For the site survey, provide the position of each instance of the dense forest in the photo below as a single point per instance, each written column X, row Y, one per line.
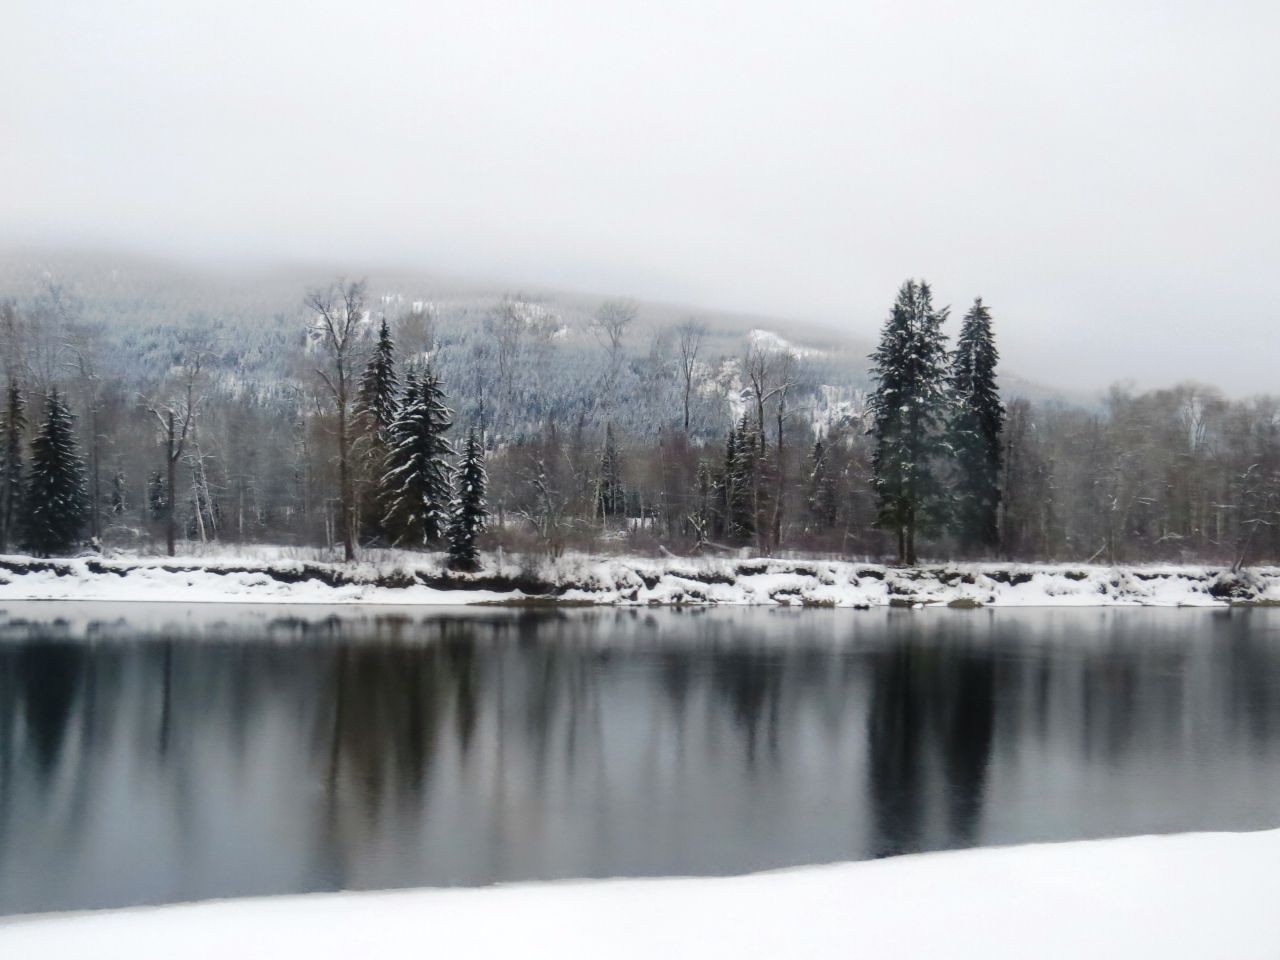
column 352, row 420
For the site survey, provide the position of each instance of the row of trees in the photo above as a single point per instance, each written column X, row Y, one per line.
column 46, row 509
column 391, row 444
column 352, row 447
column 937, row 419
column 394, row 458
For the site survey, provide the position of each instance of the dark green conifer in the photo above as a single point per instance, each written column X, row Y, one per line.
column 610, row 494
column 416, row 483
column 909, row 408
column 13, row 429
column 977, row 421
column 377, row 397
column 379, row 385
column 469, row 510
column 744, row 469
column 56, row 503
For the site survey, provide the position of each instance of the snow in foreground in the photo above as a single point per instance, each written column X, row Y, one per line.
column 1194, row 895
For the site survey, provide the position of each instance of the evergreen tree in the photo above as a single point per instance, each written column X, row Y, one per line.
column 379, row 385
column 976, row 424
column 909, row 411
column 56, row 506
column 13, row 428
column 469, row 510
column 374, row 412
column 416, row 483
column 822, row 489
column 610, row 495
column 744, row 492
column 727, row 491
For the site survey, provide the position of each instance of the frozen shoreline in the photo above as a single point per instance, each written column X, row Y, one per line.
column 1189, row 895
column 415, row 578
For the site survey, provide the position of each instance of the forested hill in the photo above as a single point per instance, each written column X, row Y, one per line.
column 550, row 362
column 146, row 404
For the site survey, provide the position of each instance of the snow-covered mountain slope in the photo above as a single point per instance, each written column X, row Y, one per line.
column 256, row 320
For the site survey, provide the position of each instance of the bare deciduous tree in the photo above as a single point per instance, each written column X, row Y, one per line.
column 506, row 323
column 689, row 342
column 758, row 368
column 609, row 326
column 546, row 515
column 655, row 373
column 337, row 318
column 784, row 380
column 176, row 417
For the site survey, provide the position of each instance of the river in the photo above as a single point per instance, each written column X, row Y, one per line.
column 152, row 753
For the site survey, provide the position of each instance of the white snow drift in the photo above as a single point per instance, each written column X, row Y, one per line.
column 1193, row 896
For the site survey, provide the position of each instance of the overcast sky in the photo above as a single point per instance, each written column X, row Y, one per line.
column 1105, row 174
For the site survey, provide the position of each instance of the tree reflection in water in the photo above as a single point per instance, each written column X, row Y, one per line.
column 172, row 754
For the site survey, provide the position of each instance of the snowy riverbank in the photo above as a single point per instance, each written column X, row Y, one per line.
column 1193, row 895
column 413, row 578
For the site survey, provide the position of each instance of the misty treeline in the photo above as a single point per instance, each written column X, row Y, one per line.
column 378, row 425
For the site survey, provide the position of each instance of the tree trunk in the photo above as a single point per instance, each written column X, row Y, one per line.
column 170, row 466
column 911, row 537
column 347, row 509
column 781, row 485
column 95, row 522
column 198, row 501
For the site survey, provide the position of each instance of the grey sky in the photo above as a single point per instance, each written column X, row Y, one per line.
column 1104, row 174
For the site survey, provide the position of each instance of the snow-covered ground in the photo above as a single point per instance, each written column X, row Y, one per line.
column 844, row 584
column 1193, row 895
column 269, row 575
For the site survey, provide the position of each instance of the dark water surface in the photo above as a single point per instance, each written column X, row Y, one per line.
column 153, row 753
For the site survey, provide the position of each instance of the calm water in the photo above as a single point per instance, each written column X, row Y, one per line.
column 150, row 753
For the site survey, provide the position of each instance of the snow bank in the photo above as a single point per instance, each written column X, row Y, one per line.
column 1194, row 895
column 244, row 580
column 838, row 583
column 401, row 577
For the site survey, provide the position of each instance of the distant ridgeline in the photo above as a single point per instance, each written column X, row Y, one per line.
column 203, row 407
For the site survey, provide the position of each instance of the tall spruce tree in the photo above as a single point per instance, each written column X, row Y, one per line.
column 470, row 510
column 13, row 428
column 374, row 412
column 379, row 385
column 977, row 421
column 909, row 408
column 56, row 503
column 416, row 483
column 744, row 469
